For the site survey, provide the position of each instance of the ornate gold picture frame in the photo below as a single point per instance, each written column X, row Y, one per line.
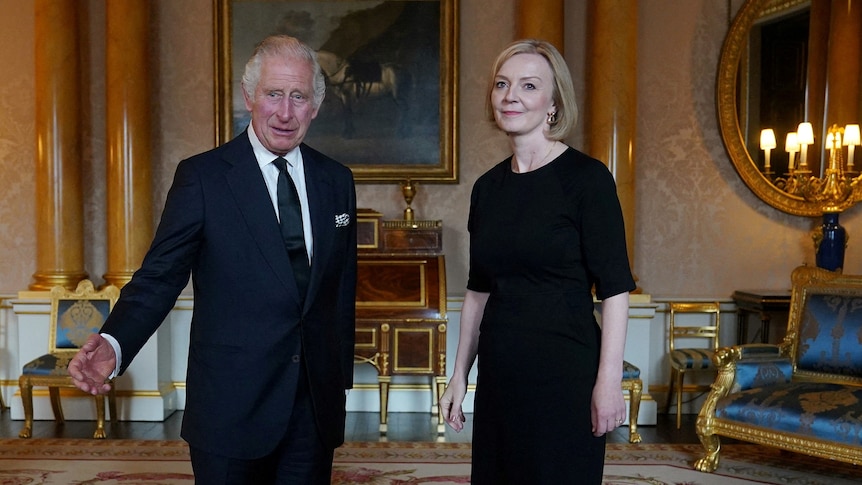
column 390, row 111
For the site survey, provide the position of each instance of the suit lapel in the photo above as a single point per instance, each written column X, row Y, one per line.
column 318, row 184
column 249, row 191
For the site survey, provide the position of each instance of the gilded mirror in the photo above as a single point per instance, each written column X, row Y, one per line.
column 774, row 71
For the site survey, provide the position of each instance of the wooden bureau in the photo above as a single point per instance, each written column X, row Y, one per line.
column 401, row 304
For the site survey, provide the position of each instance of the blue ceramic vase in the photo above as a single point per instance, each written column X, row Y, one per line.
column 830, row 250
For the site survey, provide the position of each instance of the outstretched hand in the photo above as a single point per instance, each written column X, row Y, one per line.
column 92, row 365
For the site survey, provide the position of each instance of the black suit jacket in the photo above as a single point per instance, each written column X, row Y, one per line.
column 249, row 329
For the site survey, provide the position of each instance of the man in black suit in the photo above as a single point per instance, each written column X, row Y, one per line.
column 271, row 345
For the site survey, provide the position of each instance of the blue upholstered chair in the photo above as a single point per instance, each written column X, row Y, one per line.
column 74, row 316
column 634, row 385
column 804, row 395
column 683, row 356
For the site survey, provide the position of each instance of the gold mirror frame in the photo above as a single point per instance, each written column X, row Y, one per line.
column 734, row 46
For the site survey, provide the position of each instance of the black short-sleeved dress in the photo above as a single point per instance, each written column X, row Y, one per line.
column 539, row 241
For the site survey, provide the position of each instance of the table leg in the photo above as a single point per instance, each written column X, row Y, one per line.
column 384, row 402
column 765, row 319
column 441, row 388
column 741, row 326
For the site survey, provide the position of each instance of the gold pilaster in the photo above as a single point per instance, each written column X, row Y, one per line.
column 843, row 78
column 541, row 19
column 129, row 192
column 59, row 204
column 611, row 93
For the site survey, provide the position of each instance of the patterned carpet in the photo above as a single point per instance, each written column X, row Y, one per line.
column 43, row 461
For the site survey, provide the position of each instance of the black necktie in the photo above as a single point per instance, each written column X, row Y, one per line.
column 290, row 220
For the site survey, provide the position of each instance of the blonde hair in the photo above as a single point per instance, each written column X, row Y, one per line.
column 564, row 90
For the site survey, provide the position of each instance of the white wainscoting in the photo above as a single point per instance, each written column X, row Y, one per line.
column 154, row 385
column 152, row 388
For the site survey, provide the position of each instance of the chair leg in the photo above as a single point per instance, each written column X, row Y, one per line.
column 27, row 401
column 100, row 418
column 670, row 391
column 712, row 447
column 634, row 409
column 679, row 382
column 112, row 404
column 56, row 406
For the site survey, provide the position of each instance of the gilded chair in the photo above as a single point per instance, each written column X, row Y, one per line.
column 74, row 316
column 803, row 395
column 686, row 357
column 634, row 385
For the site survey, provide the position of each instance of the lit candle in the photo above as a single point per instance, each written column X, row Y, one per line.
column 851, row 139
column 767, row 143
column 791, row 145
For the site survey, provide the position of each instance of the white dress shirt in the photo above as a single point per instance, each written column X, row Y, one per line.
column 296, row 170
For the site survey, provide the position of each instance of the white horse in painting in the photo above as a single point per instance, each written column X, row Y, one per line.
column 352, row 83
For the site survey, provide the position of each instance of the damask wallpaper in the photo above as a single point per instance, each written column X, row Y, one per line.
column 698, row 230
column 17, row 148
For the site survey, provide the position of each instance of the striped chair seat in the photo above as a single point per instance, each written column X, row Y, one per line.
column 692, row 359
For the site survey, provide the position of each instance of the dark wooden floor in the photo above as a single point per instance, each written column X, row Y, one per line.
column 410, row 427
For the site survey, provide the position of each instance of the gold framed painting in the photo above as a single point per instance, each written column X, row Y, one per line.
column 391, row 69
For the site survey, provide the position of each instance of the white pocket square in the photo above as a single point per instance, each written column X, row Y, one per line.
column 342, row 220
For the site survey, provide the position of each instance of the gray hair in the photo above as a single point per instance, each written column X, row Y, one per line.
column 286, row 47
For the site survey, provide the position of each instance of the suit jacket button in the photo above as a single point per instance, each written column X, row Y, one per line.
column 295, row 359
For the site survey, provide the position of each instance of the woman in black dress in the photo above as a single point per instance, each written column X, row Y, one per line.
column 545, row 229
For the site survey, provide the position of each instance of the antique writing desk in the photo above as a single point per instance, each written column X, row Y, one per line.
column 401, row 303
column 761, row 302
